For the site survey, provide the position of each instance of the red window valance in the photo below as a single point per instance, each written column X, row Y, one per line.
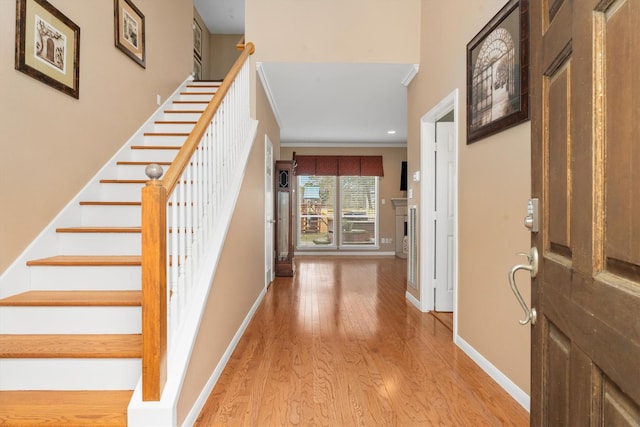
column 339, row 165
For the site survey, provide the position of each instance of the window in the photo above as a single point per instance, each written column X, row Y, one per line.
column 357, row 222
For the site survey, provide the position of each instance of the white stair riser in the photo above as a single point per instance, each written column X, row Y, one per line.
column 69, row 374
column 151, row 155
column 164, row 141
column 120, row 278
column 173, row 127
column 201, row 95
column 200, row 88
column 70, row 320
column 181, row 116
column 118, row 216
column 121, row 192
column 200, row 106
column 99, row 243
column 133, row 171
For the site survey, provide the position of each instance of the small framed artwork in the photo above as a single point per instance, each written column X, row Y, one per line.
column 129, row 30
column 48, row 46
column 197, row 68
column 197, row 39
column 498, row 73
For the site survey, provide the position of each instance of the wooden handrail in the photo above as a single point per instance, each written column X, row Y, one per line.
column 240, row 45
column 191, row 144
column 155, row 195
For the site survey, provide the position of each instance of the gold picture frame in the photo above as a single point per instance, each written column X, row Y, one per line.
column 48, row 46
column 129, row 30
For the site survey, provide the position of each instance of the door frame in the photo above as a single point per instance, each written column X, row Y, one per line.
column 427, row 138
column 269, row 237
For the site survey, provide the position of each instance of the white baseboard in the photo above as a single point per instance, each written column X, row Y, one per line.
column 503, row 381
column 413, row 300
column 215, row 376
column 342, row 253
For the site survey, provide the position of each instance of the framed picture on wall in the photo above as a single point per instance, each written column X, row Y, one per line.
column 129, row 30
column 197, row 39
column 498, row 73
column 197, row 68
column 48, row 46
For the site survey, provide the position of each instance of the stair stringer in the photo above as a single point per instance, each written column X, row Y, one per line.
column 16, row 279
column 164, row 412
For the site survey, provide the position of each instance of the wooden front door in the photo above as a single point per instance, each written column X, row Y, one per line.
column 585, row 106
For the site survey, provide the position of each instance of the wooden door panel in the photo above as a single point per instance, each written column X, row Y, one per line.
column 557, row 382
column 617, row 408
column 586, row 174
column 622, row 192
column 558, row 145
column 553, row 7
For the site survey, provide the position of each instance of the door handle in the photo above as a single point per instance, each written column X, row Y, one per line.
column 532, row 267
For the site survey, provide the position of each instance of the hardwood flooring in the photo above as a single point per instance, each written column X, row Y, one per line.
column 444, row 317
column 339, row 345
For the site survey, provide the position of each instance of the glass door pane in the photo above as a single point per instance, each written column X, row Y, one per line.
column 316, row 204
column 358, row 210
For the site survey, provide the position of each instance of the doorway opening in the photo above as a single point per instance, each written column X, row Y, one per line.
column 439, row 200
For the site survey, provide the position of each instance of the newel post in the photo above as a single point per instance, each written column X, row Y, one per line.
column 154, row 285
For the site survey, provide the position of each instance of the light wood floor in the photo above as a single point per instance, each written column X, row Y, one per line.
column 339, row 345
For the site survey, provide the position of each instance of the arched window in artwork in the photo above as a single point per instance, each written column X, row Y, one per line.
column 493, row 82
column 50, row 50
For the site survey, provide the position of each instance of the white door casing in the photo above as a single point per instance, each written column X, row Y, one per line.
column 427, row 197
column 268, row 211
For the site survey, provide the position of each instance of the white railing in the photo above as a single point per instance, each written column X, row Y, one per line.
column 180, row 217
column 200, row 191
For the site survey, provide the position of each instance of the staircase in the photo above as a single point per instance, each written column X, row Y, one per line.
column 71, row 343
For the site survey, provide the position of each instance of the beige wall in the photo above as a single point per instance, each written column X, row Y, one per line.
column 206, row 47
column 494, row 185
column 388, row 187
column 52, row 144
column 240, row 275
column 373, row 31
column 223, row 53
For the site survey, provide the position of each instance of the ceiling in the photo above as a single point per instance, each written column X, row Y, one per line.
column 325, row 104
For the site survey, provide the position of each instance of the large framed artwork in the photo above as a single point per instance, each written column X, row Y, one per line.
column 498, row 73
column 197, row 39
column 197, row 68
column 129, row 30
column 48, row 46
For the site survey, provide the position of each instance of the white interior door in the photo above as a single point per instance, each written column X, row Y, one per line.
column 444, row 217
column 268, row 212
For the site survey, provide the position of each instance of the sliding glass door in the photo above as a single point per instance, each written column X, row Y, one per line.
column 355, row 225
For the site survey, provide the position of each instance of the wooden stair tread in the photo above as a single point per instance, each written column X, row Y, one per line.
column 44, row 346
column 64, row 408
column 175, row 122
column 74, row 299
column 106, row 203
column 87, row 260
column 123, row 181
column 95, row 229
column 190, row 102
column 166, row 134
column 198, row 93
column 184, row 111
column 155, row 147
column 142, row 163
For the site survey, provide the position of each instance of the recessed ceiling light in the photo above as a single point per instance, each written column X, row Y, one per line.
column 391, row 132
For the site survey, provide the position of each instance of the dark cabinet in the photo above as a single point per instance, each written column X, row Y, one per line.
column 284, row 189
